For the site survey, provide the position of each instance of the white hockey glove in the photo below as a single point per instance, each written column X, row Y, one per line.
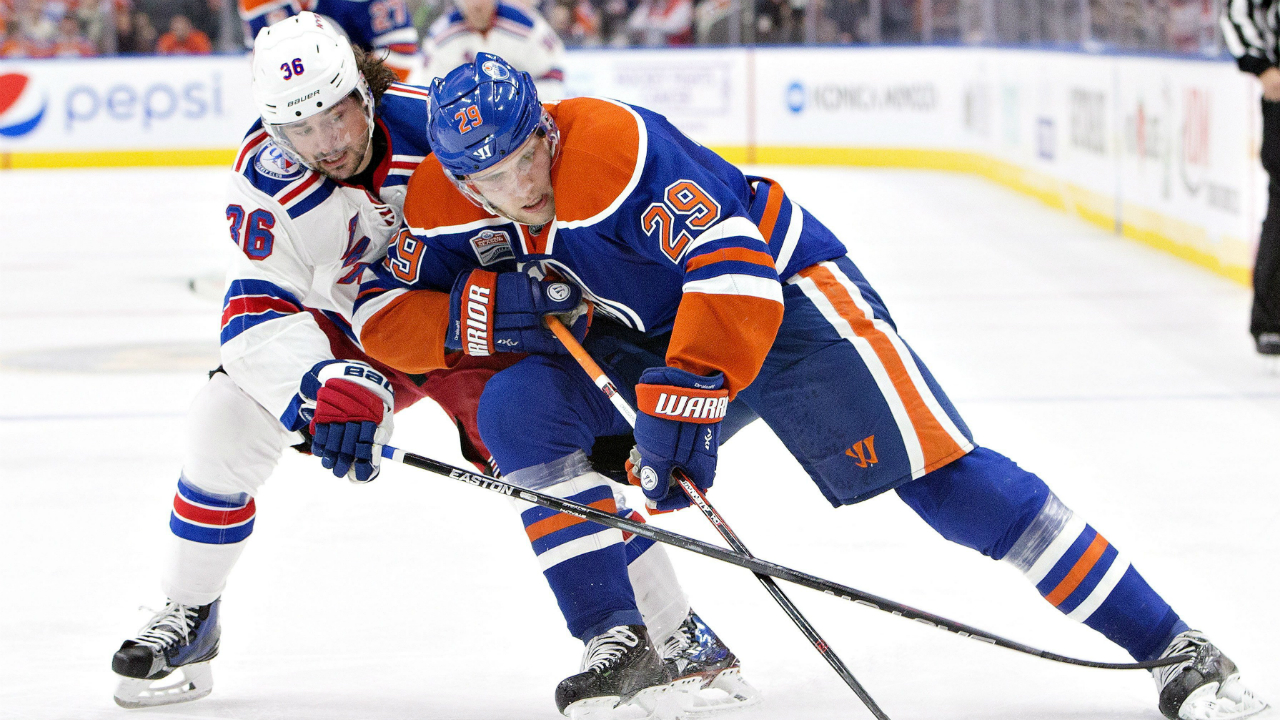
column 352, row 406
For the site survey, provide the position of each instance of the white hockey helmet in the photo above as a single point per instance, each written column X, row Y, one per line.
column 302, row 66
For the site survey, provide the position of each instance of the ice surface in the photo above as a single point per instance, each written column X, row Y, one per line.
column 1123, row 376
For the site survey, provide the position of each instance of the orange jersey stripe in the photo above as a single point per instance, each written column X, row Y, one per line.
column 1078, row 571
column 600, row 149
column 560, row 521
column 724, row 333
column 408, row 334
column 741, row 254
column 772, row 207
column 938, row 447
column 433, row 201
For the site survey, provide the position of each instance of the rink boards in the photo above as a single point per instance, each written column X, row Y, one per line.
column 1162, row 150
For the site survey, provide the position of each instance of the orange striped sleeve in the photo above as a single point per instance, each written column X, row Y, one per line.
column 408, row 334
column 734, row 253
column 731, row 334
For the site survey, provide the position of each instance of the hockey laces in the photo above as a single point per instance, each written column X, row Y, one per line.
column 605, row 650
column 168, row 627
column 681, row 640
column 1185, row 644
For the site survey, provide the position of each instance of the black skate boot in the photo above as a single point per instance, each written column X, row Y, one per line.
column 704, row 669
column 1268, row 343
column 619, row 667
column 179, row 637
column 1206, row 687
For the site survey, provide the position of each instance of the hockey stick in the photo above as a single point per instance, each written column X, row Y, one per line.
column 697, row 497
column 813, row 582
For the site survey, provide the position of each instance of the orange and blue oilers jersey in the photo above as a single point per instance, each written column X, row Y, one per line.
column 303, row 241
column 383, row 25
column 661, row 234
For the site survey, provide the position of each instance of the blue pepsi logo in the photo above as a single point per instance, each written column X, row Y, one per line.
column 20, row 110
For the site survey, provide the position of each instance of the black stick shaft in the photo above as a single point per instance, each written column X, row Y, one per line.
column 698, row 498
column 753, row 564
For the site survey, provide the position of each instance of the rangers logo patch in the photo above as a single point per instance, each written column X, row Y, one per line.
column 492, row 246
column 272, row 162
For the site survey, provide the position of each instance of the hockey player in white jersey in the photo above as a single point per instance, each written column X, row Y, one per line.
column 317, row 192
column 516, row 33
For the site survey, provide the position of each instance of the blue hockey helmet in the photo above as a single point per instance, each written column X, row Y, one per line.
column 482, row 112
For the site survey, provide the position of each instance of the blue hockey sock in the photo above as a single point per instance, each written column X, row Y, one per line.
column 1079, row 572
column 986, row 502
column 584, row 563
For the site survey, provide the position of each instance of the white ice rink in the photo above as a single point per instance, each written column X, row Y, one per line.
column 1121, row 375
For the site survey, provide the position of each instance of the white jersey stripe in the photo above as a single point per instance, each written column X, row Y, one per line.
column 792, row 239
column 732, row 284
column 915, row 453
column 736, row 226
column 908, row 360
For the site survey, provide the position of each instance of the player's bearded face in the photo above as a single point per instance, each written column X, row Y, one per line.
column 334, row 142
column 520, row 186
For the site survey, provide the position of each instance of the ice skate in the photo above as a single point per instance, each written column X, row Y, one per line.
column 1207, row 687
column 704, row 670
column 622, row 677
column 168, row 662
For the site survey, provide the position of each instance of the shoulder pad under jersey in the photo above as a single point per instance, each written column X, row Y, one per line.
column 274, row 174
column 403, row 110
column 603, row 148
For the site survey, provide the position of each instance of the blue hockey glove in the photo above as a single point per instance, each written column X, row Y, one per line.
column 349, row 406
column 678, row 426
column 502, row 312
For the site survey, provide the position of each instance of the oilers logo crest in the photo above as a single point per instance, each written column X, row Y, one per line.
column 495, row 70
column 492, row 246
column 272, row 162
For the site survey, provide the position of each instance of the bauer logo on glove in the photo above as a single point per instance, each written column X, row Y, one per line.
column 349, row 406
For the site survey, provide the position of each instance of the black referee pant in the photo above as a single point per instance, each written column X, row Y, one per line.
column 1266, row 270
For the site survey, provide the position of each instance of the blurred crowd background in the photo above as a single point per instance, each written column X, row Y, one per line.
column 83, row 28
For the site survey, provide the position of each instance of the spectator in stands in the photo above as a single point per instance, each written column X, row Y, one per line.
column 201, row 14
column 613, row 22
column 134, row 33
column 656, row 23
column 71, row 41
column 92, row 21
column 183, row 39
column 778, row 22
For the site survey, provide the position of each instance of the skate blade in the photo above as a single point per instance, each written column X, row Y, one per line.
column 184, row 684
column 727, row 690
column 652, row 703
column 1231, row 701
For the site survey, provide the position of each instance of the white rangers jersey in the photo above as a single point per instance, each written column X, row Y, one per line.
column 518, row 35
column 304, row 240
